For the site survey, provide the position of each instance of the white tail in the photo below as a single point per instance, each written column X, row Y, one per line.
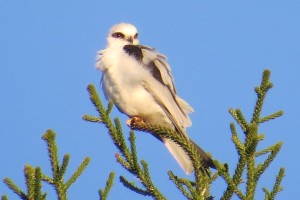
column 180, row 155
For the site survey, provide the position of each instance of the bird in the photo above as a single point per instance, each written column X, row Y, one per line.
column 138, row 79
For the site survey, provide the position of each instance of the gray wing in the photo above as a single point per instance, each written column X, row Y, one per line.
column 162, row 88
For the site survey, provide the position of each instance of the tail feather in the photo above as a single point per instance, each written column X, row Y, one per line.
column 180, row 155
column 183, row 159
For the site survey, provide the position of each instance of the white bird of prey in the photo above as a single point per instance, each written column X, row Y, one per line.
column 139, row 81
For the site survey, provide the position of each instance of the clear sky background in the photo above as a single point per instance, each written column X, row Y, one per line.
column 217, row 51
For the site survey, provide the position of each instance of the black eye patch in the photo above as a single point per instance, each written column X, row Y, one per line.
column 118, row 35
column 136, row 35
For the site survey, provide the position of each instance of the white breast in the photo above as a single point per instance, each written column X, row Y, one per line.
column 122, row 83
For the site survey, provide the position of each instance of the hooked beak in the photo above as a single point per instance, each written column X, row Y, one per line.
column 130, row 39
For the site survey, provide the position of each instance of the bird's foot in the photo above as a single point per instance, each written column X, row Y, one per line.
column 134, row 120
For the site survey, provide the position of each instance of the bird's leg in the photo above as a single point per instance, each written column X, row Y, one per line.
column 134, row 120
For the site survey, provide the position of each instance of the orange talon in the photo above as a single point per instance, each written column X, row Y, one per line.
column 134, row 120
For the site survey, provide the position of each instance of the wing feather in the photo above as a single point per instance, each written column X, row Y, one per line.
column 162, row 88
column 152, row 59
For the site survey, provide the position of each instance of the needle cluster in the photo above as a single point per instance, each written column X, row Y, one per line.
column 34, row 177
column 248, row 152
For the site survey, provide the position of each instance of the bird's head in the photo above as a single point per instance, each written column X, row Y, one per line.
column 123, row 34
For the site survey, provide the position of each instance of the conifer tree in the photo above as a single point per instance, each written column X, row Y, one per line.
column 247, row 171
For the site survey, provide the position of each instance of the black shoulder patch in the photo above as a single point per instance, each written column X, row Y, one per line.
column 134, row 51
column 155, row 72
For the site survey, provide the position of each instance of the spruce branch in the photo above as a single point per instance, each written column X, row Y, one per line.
column 128, row 158
column 271, row 116
column 233, row 183
column 91, row 118
column 141, row 171
column 236, row 179
column 261, row 92
column 38, row 195
column 262, row 167
column 29, row 177
column 58, row 171
column 247, row 150
column 133, row 187
column 277, row 186
column 120, row 142
column 4, row 197
column 109, row 107
column 238, row 143
column 202, row 180
column 35, row 176
column 268, row 149
column 77, row 173
column 109, row 183
column 239, row 118
column 49, row 137
column 10, row 184
column 65, row 163
column 33, row 184
column 181, row 184
column 123, row 162
column 133, row 153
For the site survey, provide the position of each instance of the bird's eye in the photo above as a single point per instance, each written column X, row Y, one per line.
column 118, row 35
column 136, row 35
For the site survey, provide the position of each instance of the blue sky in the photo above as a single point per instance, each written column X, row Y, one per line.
column 217, row 51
